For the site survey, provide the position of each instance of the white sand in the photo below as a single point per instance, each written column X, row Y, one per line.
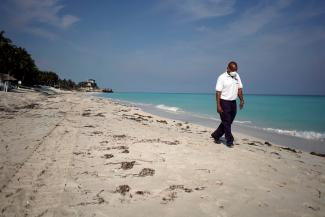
column 73, row 154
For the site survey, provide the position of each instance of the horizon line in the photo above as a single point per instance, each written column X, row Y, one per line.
column 262, row 94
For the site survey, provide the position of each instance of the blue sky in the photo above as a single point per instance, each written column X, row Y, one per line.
column 175, row 46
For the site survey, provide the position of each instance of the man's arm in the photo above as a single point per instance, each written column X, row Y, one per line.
column 219, row 108
column 241, row 97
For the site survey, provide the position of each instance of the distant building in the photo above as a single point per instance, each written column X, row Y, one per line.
column 89, row 85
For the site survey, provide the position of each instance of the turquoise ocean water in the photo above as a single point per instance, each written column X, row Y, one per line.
column 298, row 116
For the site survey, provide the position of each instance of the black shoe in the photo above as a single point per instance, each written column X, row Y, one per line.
column 216, row 140
column 230, row 145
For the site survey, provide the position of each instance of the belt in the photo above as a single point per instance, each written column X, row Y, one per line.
column 228, row 100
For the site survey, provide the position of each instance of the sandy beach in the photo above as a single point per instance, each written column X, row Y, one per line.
column 73, row 154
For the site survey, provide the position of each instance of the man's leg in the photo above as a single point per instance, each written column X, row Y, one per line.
column 227, row 127
column 218, row 133
column 227, row 119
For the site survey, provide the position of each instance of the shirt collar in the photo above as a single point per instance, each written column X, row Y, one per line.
column 233, row 77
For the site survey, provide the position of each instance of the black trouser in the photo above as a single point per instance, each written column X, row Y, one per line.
column 227, row 117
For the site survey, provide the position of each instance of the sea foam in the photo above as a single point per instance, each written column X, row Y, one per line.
column 168, row 108
column 302, row 134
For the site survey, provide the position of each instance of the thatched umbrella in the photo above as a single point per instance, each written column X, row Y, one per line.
column 6, row 77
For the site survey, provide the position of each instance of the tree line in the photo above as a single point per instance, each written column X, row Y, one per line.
column 17, row 62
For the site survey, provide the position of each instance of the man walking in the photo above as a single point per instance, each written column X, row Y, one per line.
column 228, row 87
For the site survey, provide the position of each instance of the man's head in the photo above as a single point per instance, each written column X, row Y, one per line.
column 232, row 67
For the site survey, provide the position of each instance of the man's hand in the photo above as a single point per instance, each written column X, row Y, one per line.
column 241, row 105
column 219, row 109
column 218, row 96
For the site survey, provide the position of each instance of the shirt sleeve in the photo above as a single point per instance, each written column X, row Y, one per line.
column 240, row 84
column 219, row 85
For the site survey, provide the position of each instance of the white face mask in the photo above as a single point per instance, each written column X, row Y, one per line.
column 232, row 74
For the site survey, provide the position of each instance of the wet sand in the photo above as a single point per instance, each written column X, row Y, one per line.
column 72, row 154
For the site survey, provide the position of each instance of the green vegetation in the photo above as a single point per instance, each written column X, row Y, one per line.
column 17, row 62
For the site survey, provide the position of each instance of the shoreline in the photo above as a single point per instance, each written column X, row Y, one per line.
column 304, row 144
column 75, row 154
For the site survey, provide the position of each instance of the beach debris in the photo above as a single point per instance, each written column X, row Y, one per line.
column 9, row 194
column 174, row 187
column 218, row 182
column 97, row 132
column 251, row 143
column 257, row 142
column 180, row 187
column 41, row 173
column 162, row 121
column 4, row 109
column 94, row 173
column 199, row 188
column 142, row 192
column 86, row 114
column 78, row 153
column 108, row 156
column 145, row 116
column 175, row 142
column 179, row 124
column 267, row 143
column 137, row 118
column 99, row 114
column 119, row 136
column 317, row 154
column 170, row 197
column 311, row 207
column 319, row 193
column 126, row 151
column 90, row 126
column 121, row 147
column 146, row 172
column 282, row 184
column 43, row 213
column 289, row 149
column 127, row 165
column 263, row 204
column 125, row 110
column 29, row 106
column 122, row 189
column 99, row 199
column 276, row 153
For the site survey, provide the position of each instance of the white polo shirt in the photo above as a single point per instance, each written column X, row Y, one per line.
column 228, row 86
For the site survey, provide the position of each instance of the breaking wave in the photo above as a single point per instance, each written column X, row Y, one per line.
column 302, row 134
column 168, row 108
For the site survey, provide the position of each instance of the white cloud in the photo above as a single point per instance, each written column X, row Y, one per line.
column 191, row 10
column 254, row 19
column 68, row 20
column 250, row 22
column 41, row 32
column 38, row 16
column 203, row 29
